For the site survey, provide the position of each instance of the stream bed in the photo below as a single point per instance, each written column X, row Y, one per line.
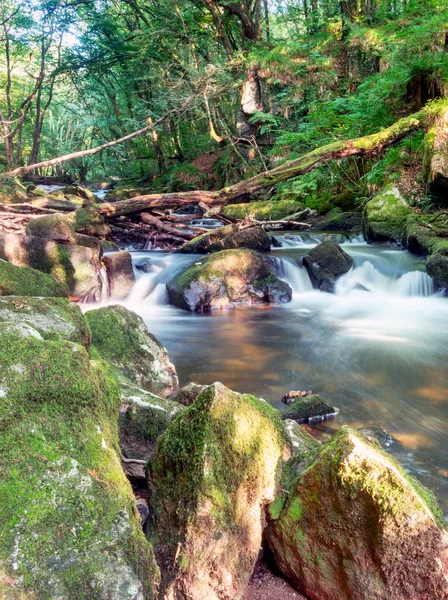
column 377, row 348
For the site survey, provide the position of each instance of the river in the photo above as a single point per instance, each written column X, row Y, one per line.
column 377, row 348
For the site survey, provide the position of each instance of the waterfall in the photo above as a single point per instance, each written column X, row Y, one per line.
column 104, row 282
column 309, row 240
column 295, row 275
column 366, row 277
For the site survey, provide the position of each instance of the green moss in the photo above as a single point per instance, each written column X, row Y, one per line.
column 55, row 227
column 385, row 216
column 25, row 281
column 69, row 526
column 270, row 210
column 87, row 220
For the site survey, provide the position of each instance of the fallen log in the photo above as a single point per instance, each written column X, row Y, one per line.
column 281, row 224
column 239, row 192
column 166, row 228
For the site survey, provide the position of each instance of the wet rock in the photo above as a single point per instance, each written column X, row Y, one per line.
column 121, row 337
column 354, row 526
column 226, row 279
column 53, row 318
column 188, row 394
column 109, row 246
column 309, row 409
column 215, row 468
column 39, row 253
column 25, row 281
column 90, row 242
column 52, row 227
column 301, row 441
column 325, row 263
column 385, row 216
column 143, row 418
column 437, row 268
column 71, row 512
column 120, row 274
column 227, row 238
column 269, row 210
column 372, row 434
column 292, row 395
column 86, row 282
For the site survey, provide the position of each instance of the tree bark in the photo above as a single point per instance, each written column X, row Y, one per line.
column 242, row 191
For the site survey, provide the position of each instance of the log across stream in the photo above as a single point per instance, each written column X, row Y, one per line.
column 377, row 348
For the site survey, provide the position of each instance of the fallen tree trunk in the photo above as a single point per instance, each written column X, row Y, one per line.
column 243, row 190
column 176, row 231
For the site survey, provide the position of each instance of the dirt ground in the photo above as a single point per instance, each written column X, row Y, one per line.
column 264, row 585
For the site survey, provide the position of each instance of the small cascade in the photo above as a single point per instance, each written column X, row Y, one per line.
column 309, row 240
column 158, row 296
column 144, row 286
column 368, row 278
column 104, row 281
column 295, row 275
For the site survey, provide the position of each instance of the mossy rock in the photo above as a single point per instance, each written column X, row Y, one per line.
column 109, row 246
column 227, row 238
column 52, row 318
column 120, row 274
column 86, row 282
column 269, row 210
column 70, row 527
column 309, row 409
column 38, row 253
column 188, row 393
column 79, row 191
column 325, row 263
column 88, row 221
column 224, row 279
column 37, row 191
column 437, row 268
column 52, row 227
column 25, row 281
column 385, row 216
column 143, row 418
column 354, row 526
column 215, row 467
column 121, row 337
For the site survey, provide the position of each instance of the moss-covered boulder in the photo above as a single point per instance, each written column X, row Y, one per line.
column 215, row 467
column 86, row 282
column 227, row 238
column 121, row 337
column 309, row 409
column 25, row 281
column 69, row 521
column 385, row 216
column 188, row 393
column 88, row 221
column 226, row 279
column 52, row 227
column 325, row 263
column 53, row 318
column 143, row 418
column 437, row 268
column 120, row 274
column 301, row 441
column 38, row 253
column 80, row 192
column 354, row 526
column 269, row 210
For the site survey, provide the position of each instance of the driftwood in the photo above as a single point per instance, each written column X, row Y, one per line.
column 25, row 208
column 281, row 224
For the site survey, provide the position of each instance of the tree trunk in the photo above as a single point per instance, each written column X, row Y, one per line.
column 242, row 191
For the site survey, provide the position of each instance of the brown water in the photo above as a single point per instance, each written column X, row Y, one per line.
column 379, row 355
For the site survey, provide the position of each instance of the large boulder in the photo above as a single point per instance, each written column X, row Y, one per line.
column 53, row 318
column 86, row 282
column 143, row 418
column 227, row 238
column 325, row 263
column 437, row 268
column 120, row 274
column 88, row 221
column 80, row 192
column 70, row 526
column 25, row 281
column 52, row 227
column 39, row 253
column 226, row 279
column 385, row 216
column 215, row 468
column 354, row 526
column 267, row 210
column 121, row 337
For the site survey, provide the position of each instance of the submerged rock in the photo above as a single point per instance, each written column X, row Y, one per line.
column 52, row 318
column 25, row 281
column 120, row 274
column 69, row 519
column 227, row 238
column 309, row 409
column 354, row 526
column 215, row 468
column 325, row 263
column 143, row 418
column 385, row 216
column 376, row 434
column 121, row 337
column 225, row 279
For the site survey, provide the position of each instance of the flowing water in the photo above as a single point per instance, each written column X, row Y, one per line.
column 377, row 348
